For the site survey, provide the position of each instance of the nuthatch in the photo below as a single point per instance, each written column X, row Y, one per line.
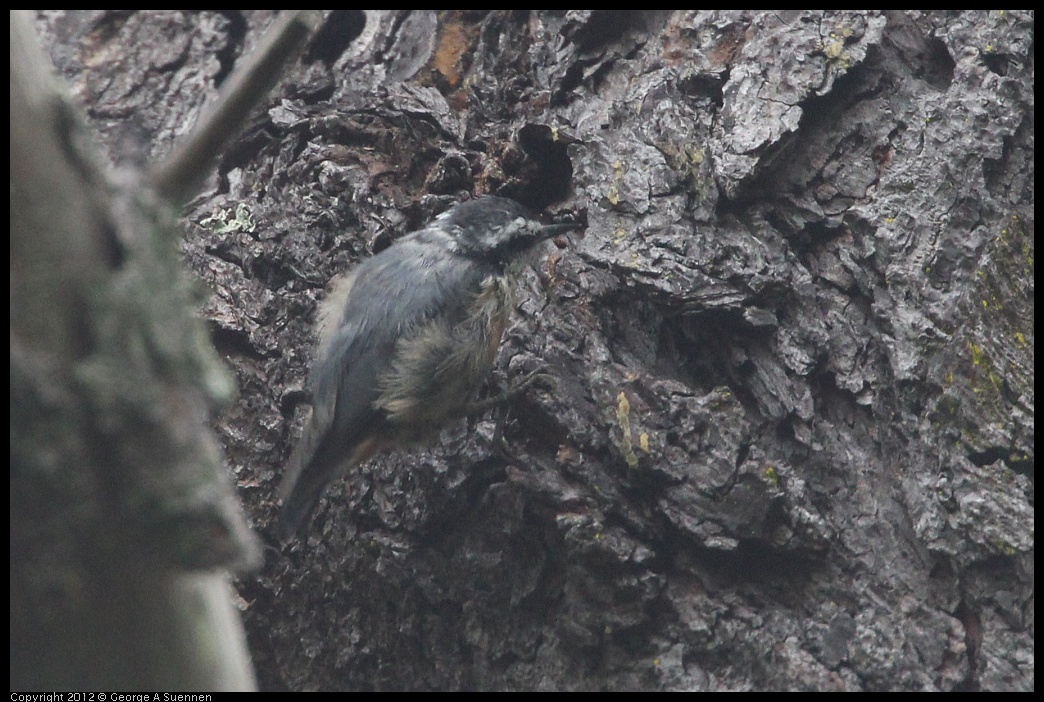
column 406, row 340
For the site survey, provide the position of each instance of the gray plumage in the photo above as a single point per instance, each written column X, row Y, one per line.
column 406, row 341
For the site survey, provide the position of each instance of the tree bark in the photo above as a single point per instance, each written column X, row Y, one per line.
column 123, row 527
column 790, row 440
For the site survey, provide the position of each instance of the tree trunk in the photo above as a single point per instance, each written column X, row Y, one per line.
column 789, row 444
column 122, row 523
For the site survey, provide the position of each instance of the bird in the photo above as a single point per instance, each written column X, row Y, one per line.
column 406, row 340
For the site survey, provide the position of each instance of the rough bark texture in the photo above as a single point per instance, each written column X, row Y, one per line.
column 790, row 443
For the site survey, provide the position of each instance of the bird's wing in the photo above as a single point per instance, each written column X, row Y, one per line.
column 386, row 297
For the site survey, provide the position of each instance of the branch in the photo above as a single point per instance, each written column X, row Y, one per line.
column 182, row 172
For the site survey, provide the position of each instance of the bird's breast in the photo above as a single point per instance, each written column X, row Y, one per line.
column 438, row 367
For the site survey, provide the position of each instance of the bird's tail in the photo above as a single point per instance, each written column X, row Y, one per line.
column 302, row 485
column 300, row 503
column 310, row 469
